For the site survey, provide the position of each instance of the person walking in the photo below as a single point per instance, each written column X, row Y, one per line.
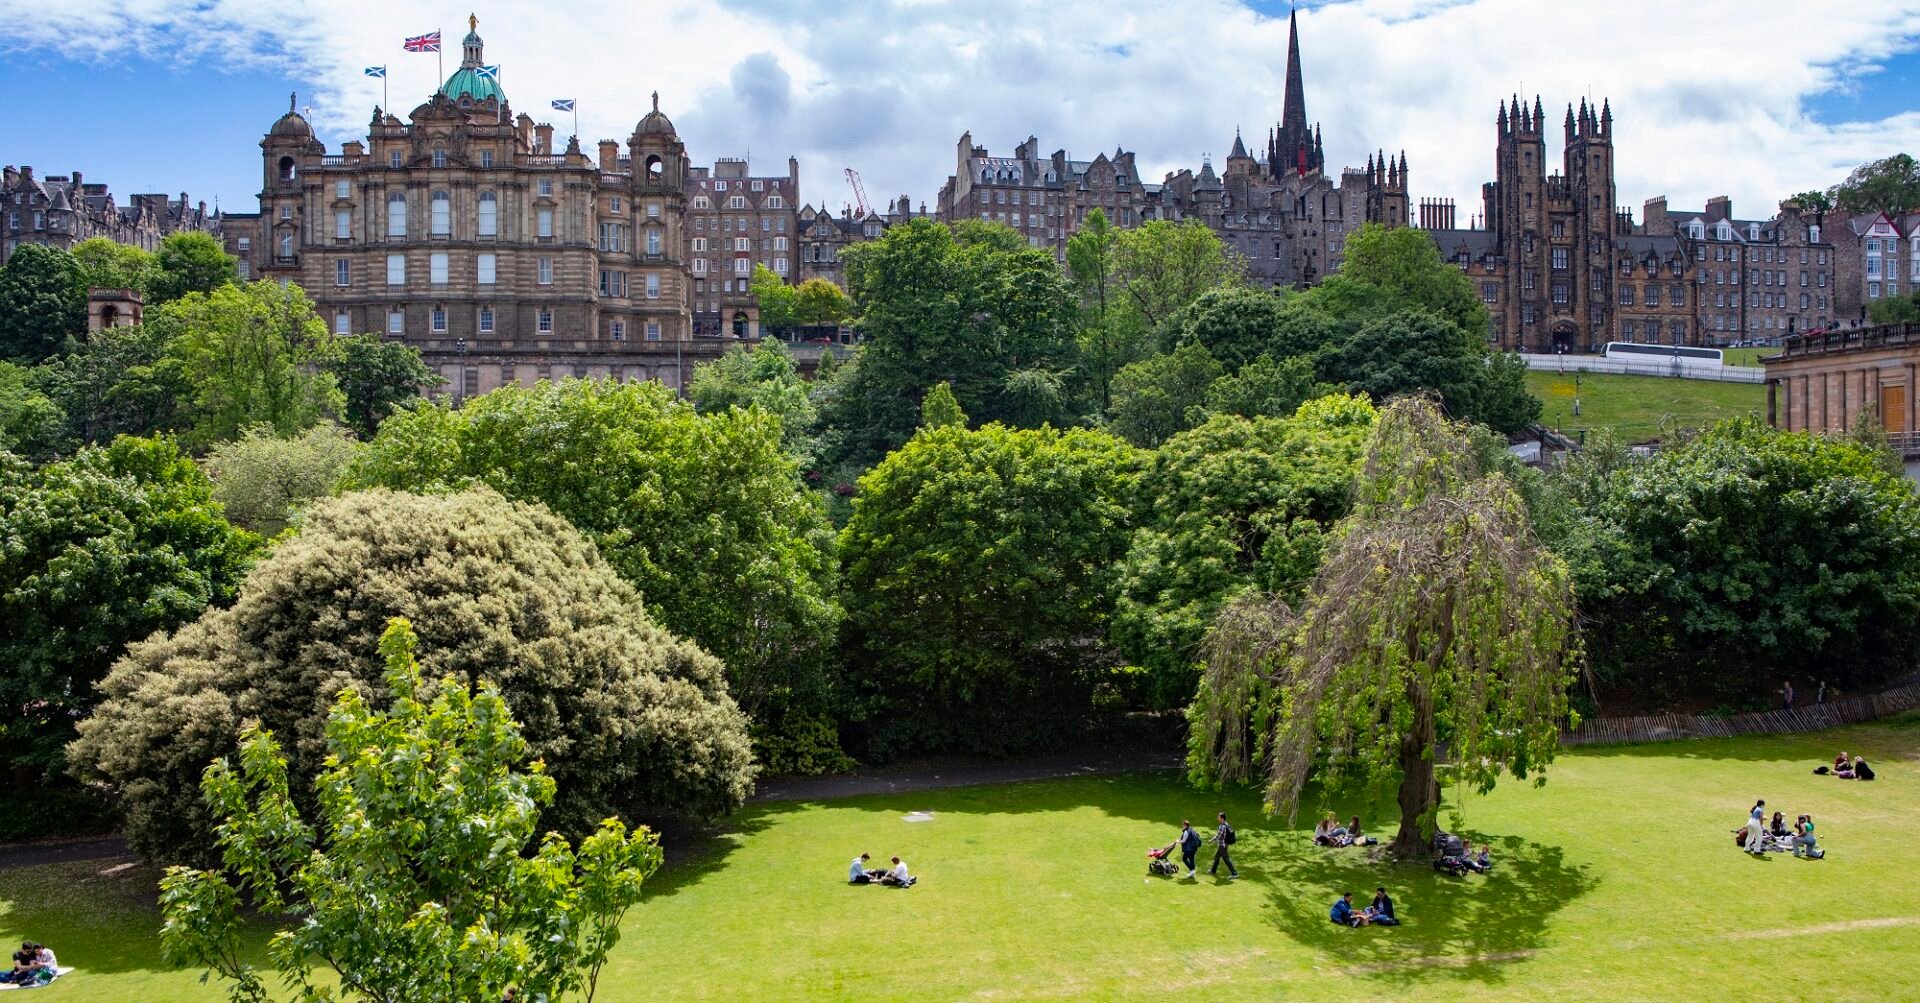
column 1820, row 695
column 1787, row 691
column 1223, row 837
column 1189, row 846
column 1757, row 828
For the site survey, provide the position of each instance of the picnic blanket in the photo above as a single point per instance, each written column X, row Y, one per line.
column 57, row 972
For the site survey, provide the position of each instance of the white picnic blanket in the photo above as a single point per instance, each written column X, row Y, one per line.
column 58, row 971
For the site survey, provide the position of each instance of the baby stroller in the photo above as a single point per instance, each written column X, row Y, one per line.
column 1160, row 862
column 1450, row 854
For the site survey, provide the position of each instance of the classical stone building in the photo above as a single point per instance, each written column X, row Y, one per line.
column 465, row 231
column 736, row 220
column 1820, row 382
column 1757, row 279
column 62, row 210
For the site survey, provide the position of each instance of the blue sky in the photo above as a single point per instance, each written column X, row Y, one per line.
column 154, row 96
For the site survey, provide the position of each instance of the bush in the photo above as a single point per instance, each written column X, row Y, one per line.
column 628, row 718
column 263, row 480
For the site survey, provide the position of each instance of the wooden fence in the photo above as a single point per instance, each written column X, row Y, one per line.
column 1812, row 717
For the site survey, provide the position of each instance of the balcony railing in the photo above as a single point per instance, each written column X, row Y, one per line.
column 1850, row 340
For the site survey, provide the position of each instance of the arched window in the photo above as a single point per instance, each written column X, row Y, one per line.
column 287, row 169
column 656, row 170
column 397, row 214
column 442, row 214
column 489, row 215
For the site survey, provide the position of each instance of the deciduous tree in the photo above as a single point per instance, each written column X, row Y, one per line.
column 376, row 378
column 252, row 355
column 1890, row 185
column 262, row 480
column 1161, row 396
column 43, row 304
column 189, row 262
column 1161, row 266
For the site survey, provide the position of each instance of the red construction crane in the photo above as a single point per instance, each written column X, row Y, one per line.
column 859, row 192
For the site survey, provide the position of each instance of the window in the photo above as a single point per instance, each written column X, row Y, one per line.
column 543, row 226
column 1560, row 258
column 438, row 320
column 442, row 214
column 286, row 212
column 759, row 186
column 779, row 243
column 1560, row 294
column 737, row 202
column 1559, row 229
column 486, row 320
column 653, row 286
column 545, row 272
column 1813, row 237
column 653, row 330
column 1653, row 295
column 700, row 266
column 1873, row 266
column 342, row 272
column 342, row 323
column 613, row 205
column 743, row 266
column 1488, row 291
column 1873, row 290
column 544, row 322
column 483, row 268
column 244, row 268
column 1805, row 301
column 653, row 240
column 396, row 215
column 286, row 246
column 437, row 268
column 699, row 202
column 545, row 187
column 393, row 158
column 775, row 202
column 618, row 329
column 396, row 321
column 613, row 237
column 396, row 269
column 719, row 186
column 780, row 266
column 342, row 224
column 653, row 210
column 1697, row 231
column 1626, row 295
column 699, row 244
column 486, row 158
column 613, row 283
column 488, row 218
column 342, row 189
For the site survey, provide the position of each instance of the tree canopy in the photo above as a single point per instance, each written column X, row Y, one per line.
column 1890, row 185
column 263, row 480
column 762, row 377
column 1161, row 266
column 189, row 262
column 43, row 304
column 778, row 301
column 1163, row 395
column 251, row 355
column 376, row 378
column 110, row 264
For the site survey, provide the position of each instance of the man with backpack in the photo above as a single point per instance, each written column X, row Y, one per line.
column 1223, row 837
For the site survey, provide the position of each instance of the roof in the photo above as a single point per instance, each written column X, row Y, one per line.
column 1476, row 243
column 467, row 82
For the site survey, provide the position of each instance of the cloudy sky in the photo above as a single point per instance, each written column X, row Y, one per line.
column 1756, row 99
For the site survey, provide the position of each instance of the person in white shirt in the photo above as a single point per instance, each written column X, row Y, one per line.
column 898, row 876
column 858, row 874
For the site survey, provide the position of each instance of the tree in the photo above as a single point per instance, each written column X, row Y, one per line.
column 31, row 425
column 1816, row 201
column 765, row 378
column 416, row 884
column 1111, row 334
column 629, row 719
column 100, row 551
column 818, row 301
column 976, row 569
column 1435, row 621
column 253, row 355
column 262, row 480
column 1890, row 185
column 1158, row 397
column 1237, row 324
column 969, row 306
column 1227, row 507
column 1415, row 351
column 1265, row 388
column 190, row 262
column 703, row 513
column 940, row 410
column 1161, row 266
column 376, row 378
column 110, row 264
column 778, row 301
column 43, row 304
column 121, row 382
column 1406, row 263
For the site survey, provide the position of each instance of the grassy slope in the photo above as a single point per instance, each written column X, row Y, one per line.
column 1636, row 407
column 1617, row 881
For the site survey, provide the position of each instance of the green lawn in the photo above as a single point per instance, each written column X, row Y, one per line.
column 1617, row 881
column 1639, row 408
column 1746, row 356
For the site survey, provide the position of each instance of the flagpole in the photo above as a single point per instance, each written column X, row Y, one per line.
column 440, row 56
column 386, row 102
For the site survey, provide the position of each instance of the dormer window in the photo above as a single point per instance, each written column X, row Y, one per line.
column 439, row 158
column 1753, row 231
column 1696, row 231
column 1723, row 232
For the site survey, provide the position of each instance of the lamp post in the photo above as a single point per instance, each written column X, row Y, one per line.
column 460, row 388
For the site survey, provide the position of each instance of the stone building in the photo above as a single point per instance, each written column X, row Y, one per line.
column 1876, row 256
column 62, row 210
column 736, row 220
column 465, row 231
column 1044, row 198
column 1820, row 382
column 1758, row 279
column 824, row 237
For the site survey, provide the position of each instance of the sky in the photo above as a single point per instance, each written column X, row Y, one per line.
column 1756, row 99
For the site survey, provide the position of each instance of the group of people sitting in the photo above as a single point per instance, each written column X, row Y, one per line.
column 1380, row 913
column 1761, row 836
column 33, row 965
column 1453, row 855
column 1846, row 769
column 1331, row 833
column 897, row 877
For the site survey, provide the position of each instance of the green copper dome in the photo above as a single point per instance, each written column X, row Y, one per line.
column 467, row 82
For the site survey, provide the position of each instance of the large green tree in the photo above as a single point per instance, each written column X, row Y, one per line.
column 189, row 262
column 263, row 480
column 43, row 304
column 977, row 568
column 113, row 265
column 121, row 382
column 777, row 300
column 1406, row 263
column 97, row 552
column 1239, row 324
column 1163, row 395
column 818, row 301
column 422, row 881
column 376, row 378
column 1436, row 622
column 31, row 424
column 762, row 377
column 630, row 719
column 1414, row 351
column 1231, row 506
column 1161, row 266
column 1111, row 333
column 703, row 513
column 252, row 355
column 1890, row 185
column 969, row 305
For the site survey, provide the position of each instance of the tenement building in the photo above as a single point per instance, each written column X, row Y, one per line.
column 1876, row 257
column 465, row 231
column 824, row 237
column 1757, row 279
column 61, row 210
column 736, row 220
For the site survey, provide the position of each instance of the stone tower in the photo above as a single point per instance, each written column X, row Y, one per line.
column 1294, row 147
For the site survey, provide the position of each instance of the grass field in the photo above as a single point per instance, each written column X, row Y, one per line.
column 1638, row 408
column 1746, row 356
column 1617, row 881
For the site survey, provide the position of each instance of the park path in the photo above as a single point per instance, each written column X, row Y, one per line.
column 36, row 854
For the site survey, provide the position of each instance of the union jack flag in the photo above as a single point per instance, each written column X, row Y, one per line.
column 424, row 43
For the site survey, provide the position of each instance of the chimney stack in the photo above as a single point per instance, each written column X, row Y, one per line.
column 544, row 139
column 609, row 156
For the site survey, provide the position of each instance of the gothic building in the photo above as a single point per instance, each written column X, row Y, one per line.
column 61, row 210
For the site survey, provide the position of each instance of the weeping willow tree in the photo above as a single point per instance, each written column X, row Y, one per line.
column 1436, row 622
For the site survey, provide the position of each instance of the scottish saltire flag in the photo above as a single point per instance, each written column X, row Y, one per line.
column 490, row 72
column 424, row 43
column 564, row 104
column 375, row 71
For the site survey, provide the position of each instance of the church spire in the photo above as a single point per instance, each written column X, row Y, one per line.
column 1293, row 117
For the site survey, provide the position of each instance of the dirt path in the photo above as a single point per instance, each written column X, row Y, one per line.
column 36, row 854
column 930, row 776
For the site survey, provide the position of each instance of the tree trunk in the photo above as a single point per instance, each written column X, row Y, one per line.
column 1416, row 772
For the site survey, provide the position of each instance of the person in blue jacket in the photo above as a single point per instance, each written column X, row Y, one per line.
column 1343, row 914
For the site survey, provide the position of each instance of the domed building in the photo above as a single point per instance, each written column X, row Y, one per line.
column 467, row 231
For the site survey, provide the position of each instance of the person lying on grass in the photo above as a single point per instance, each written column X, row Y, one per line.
column 1380, row 913
column 1343, row 914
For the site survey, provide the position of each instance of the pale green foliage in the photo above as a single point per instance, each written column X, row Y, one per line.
column 110, row 264
column 940, row 410
column 1161, row 266
column 819, row 301
column 249, row 354
column 765, row 378
column 1435, row 621
column 1406, row 263
column 189, row 262
column 628, row 718
column 778, row 301
column 413, row 885
column 263, row 480
column 31, row 425
column 1111, row 333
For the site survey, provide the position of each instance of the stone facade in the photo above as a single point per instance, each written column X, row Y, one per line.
column 62, row 210
column 736, row 220
column 1820, row 382
column 1876, row 256
column 1758, row 280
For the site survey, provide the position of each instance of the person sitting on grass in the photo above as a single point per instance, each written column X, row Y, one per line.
column 1843, row 767
column 857, row 874
column 1778, row 827
column 1380, row 913
column 1480, row 862
column 1353, row 833
column 1343, row 914
column 1323, row 832
column 898, row 877
column 28, row 963
column 1861, row 771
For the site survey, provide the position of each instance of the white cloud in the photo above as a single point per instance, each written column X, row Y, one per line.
column 1708, row 97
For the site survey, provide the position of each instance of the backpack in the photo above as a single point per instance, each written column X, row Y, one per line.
column 1230, row 838
column 1739, row 837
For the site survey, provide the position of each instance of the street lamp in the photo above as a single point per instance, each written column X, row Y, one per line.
column 460, row 388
